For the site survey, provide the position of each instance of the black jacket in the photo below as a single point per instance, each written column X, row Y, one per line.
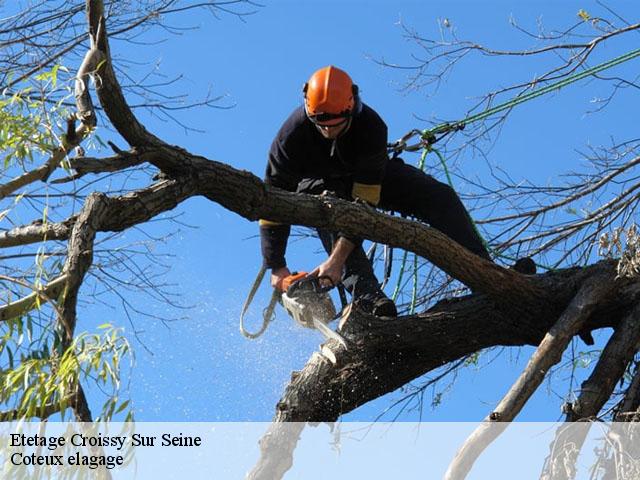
column 299, row 151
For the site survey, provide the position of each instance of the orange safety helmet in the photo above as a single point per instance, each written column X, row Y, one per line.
column 330, row 96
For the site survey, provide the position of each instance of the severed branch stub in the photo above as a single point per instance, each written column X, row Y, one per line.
column 92, row 60
column 549, row 352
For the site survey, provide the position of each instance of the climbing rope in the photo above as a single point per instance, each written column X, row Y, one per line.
column 428, row 137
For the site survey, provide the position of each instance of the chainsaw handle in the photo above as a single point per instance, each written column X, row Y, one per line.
column 319, row 288
column 284, row 283
column 308, row 282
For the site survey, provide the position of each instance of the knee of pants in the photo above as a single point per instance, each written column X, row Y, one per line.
column 444, row 193
column 438, row 201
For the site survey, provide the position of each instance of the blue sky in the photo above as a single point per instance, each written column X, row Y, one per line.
column 201, row 368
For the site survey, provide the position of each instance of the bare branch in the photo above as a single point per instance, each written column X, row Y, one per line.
column 548, row 353
column 594, row 393
column 109, row 91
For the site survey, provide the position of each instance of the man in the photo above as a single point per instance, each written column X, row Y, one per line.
column 337, row 143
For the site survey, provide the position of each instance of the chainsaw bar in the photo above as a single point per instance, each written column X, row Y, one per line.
column 310, row 306
column 328, row 333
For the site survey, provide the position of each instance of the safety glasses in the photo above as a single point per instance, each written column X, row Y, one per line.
column 330, row 119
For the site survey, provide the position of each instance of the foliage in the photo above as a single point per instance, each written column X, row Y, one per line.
column 41, row 376
column 29, row 118
column 39, row 373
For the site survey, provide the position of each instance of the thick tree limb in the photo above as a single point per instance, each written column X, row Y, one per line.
column 79, row 258
column 383, row 356
column 594, row 393
column 548, row 353
column 108, row 89
column 221, row 183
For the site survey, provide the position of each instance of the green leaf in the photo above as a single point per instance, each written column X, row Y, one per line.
column 584, row 15
column 122, row 407
column 10, row 354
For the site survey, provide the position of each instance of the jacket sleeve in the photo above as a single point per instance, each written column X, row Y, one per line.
column 274, row 236
column 371, row 162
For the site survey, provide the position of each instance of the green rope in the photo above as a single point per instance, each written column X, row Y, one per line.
column 414, row 291
column 396, row 290
column 443, row 162
column 429, row 134
column 444, row 127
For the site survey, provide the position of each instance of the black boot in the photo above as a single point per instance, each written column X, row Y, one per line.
column 525, row 265
column 376, row 304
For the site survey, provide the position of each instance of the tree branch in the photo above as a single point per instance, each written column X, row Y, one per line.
column 109, row 91
column 79, row 258
column 594, row 393
column 382, row 356
column 548, row 353
column 51, row 291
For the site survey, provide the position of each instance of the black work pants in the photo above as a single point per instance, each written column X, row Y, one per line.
column 410, row 192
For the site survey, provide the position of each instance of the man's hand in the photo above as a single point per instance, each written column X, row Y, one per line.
column 333, row 266
column 330, row 268
column 278, row 275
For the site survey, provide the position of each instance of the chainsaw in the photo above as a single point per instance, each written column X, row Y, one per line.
column 303, row 298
